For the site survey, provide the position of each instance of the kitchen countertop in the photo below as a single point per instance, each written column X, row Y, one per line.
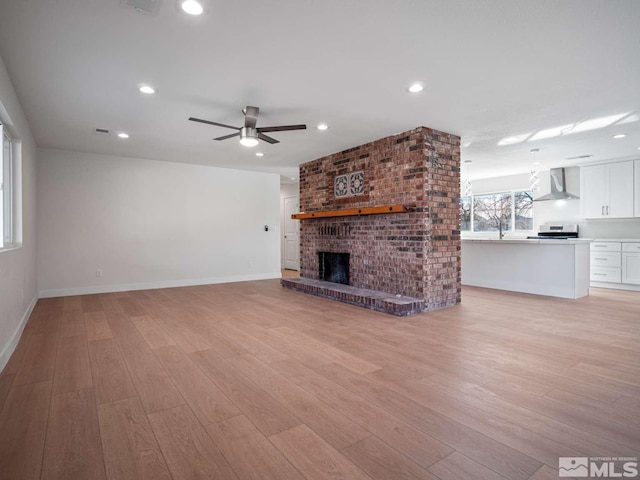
column 630, row 240
column 530, row 241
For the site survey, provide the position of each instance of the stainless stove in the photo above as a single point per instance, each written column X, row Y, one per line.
column 556, row 232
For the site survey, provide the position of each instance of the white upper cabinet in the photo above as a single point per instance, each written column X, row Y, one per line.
column 606, row 191
column 637, row 189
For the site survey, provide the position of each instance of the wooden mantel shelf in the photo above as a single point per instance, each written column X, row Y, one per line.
column 351, row 212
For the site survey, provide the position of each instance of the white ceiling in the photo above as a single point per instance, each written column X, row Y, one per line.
column 492, row 69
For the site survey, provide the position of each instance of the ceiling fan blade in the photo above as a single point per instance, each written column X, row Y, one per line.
column 208, row 122
column 251, row 116
column 228, row 136
column 282, row 128
column 267, row 139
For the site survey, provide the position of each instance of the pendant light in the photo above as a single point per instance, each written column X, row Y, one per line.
column 467, row 189
column 534, row 173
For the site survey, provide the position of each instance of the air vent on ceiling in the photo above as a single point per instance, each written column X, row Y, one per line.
column 579, row 157
column 102, row 130
column 148, row 7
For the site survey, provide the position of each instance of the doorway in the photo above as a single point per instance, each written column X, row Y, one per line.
column 290, row 233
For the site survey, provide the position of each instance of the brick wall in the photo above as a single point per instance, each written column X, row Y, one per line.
column 416, row 254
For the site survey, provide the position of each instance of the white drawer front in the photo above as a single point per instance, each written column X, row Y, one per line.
column 605, row 259
column 606, row 246
column 631, row 247
column 606, row 274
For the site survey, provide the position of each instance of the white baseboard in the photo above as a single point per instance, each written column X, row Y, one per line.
column 616, row 286
column 13, row 342
column 64, row 292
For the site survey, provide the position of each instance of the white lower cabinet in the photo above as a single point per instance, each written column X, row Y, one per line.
column 615, row 262
column 631, row 268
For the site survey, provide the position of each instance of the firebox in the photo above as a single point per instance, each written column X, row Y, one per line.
column 334, row 267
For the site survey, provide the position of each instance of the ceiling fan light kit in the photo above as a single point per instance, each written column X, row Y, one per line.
column 250, row 134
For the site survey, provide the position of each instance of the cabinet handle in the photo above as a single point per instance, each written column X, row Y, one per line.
column 607, row 209
column 602, row 210
column 596, row 258
column 600, row 274
column 599, row 246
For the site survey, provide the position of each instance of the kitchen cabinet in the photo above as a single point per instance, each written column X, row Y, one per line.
column 615, row 264
column 607, row 190
column 606, row 262
column 637, row 188
column 631, row 263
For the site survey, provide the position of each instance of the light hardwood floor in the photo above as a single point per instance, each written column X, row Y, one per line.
column 253, row 381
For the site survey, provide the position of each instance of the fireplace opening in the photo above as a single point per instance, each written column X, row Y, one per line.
column 334, row 267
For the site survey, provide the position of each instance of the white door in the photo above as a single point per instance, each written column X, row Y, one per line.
column 620, row 183
column 291, row 230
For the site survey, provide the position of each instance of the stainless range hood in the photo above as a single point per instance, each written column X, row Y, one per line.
column 558, row 187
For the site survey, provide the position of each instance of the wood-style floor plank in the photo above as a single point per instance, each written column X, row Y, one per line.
column 72, row 371
column 110, row 376
column 240, row 440
column 189, row 451
column 39, row 359
column 73, row 448
column 97, row 326
column 382, row 462
column 333, row 426
column 314, row 457
column 5, row 384
column 264, row 411
column 504, row 459
column 417, row 445
column 130, row 447
column 456, row 466
column 151, row 332
column 155, row 388
column 72, row 322
column 206, row 400
column 23, row 424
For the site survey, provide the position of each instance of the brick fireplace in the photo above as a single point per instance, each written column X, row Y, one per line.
column 413, row 256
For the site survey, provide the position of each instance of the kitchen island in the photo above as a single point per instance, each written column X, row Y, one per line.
column 557, row 268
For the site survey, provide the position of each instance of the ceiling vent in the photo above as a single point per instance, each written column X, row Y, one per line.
column 579, row 157
column 148, row 7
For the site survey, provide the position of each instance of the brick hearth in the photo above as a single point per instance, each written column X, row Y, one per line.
column 415, row 254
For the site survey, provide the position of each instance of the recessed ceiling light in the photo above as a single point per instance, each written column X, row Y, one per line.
column 620, row 135
column 259, row 154
column 123, row 135
column 192, row 7
column 416, row 88
column 322, row 126
column 147, row 89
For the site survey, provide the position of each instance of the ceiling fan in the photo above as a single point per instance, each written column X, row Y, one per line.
column 249, row 134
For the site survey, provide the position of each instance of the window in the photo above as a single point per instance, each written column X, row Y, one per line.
column 484, row 213
column 6, row 190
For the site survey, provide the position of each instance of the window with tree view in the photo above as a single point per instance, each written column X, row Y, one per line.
column 488, row 212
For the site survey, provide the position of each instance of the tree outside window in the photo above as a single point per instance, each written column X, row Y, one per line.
column 505, row 211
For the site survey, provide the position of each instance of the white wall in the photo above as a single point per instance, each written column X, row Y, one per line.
column 18, row 292
column 559, row 211
column 148, row 224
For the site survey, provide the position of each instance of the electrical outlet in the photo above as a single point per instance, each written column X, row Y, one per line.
column 99, row 272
